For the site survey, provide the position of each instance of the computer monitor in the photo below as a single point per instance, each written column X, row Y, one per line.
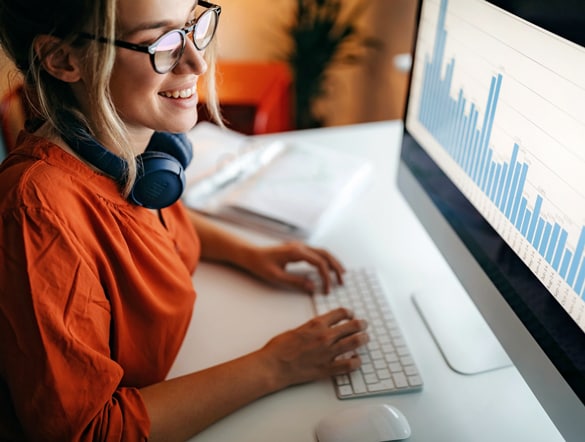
column 493, row 164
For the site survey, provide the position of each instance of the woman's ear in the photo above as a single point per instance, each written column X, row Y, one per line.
column 58, row 59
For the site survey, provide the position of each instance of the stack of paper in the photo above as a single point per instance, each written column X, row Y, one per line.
column 286, row 188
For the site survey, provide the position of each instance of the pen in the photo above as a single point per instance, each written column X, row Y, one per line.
column 273, row 222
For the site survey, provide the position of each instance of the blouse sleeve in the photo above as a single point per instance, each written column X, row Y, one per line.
column 55, row 325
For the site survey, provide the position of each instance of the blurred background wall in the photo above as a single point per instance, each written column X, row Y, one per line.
column 372, row 91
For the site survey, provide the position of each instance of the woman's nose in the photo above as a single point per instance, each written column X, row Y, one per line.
column 192, row 60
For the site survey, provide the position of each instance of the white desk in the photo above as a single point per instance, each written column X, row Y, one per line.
column 235, row 314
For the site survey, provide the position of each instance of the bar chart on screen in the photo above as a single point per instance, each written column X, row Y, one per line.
column 515, row 149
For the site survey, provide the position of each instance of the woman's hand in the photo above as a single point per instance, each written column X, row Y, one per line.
column 304, row 354
column 312, row 350
column 269, row 264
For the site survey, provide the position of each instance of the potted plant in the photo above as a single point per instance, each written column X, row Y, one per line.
column 322, row 34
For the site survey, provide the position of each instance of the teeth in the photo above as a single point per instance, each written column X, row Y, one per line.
column 184, row 93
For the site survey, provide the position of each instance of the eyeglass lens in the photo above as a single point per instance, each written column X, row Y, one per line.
column 205, row 29
column 168, row 51
column 170, row 47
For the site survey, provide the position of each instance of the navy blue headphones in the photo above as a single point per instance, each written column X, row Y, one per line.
column 161, row 168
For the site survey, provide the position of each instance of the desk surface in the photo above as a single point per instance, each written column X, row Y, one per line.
column 235, row 314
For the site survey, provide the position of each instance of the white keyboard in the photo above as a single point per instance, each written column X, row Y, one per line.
column 387, row 365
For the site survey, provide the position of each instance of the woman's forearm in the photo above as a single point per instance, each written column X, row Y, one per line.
column 218, row 244
column 182, row 407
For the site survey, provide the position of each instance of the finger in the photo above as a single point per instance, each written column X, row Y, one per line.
column 348, row 328
column 334, row 264
column 335, row 316
column 294, row 280
column 345, row 365
column 350, row 343
column 320, row 260
column 324, row 262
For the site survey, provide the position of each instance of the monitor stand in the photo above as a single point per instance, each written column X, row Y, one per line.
column 464, row 338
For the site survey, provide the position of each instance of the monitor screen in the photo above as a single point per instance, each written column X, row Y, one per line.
column 492, row 162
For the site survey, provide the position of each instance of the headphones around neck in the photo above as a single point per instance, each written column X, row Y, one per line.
column 161, row 168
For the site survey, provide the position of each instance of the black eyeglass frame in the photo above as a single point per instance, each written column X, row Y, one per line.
column 151, row 48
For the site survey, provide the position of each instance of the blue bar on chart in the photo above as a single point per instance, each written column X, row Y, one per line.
column 503, row 182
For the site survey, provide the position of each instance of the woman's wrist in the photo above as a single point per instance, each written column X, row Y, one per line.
column 242, row 256
column 272, row 370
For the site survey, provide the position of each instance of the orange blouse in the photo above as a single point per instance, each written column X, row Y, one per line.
column 95, row 299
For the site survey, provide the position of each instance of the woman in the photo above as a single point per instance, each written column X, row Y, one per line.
column 95, row 284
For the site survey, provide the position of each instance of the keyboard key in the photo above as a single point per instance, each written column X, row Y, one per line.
column 357, row 382
column 345, row 390
column 400, row 380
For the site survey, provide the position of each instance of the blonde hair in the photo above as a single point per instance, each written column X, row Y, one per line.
column 48, row 99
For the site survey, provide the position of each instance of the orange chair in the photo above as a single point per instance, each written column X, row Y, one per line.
column 11, row 116
column 255, row 97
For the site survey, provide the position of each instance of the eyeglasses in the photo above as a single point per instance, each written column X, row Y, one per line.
column 168, row 49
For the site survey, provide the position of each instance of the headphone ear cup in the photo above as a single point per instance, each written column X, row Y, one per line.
column 161, row 168
column 176, row 145
column 160, row 181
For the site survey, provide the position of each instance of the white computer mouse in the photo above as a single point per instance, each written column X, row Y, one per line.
column 364, row 423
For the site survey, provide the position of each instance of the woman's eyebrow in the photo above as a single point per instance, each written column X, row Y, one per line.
column 195, row 4
column 149, row 26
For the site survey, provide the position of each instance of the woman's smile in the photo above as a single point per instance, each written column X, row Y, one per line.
column 180, row 93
